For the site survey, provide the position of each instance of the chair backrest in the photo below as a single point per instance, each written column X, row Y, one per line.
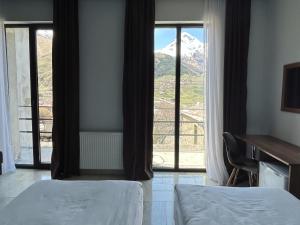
column 232, row 149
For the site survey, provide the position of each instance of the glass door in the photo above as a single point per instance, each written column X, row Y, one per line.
column 164, row 98
column 20, row 99
column 44, row 39
column 192, row 106
column 179, row 109
column 29, row 60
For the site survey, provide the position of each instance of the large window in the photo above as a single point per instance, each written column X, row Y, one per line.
column 29, row 58
column 179, row 109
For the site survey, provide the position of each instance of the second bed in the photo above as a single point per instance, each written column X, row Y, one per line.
column 201, row 205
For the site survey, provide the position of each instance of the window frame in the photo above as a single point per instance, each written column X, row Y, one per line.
column 32, row 28
column 178, row 27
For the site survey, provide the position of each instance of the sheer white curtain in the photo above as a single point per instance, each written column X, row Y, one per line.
column 5, row 138
column 214, row 29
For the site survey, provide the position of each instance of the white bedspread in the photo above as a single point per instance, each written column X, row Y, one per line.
column 77, row 203
column 199, row 205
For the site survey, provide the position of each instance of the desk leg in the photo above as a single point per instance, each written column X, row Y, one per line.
column 294, row 180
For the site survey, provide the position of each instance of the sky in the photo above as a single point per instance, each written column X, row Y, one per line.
column 164, row 36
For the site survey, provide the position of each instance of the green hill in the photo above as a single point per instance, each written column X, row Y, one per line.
column 166, row 64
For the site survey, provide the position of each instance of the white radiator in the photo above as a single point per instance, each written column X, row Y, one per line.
column 101, row 151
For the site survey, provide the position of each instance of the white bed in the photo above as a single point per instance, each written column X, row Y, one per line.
column 200, row 205
column 77, row 203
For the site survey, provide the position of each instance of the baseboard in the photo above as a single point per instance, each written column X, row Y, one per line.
column 101, row 172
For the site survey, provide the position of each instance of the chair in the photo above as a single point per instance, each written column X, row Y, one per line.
column 239, row 161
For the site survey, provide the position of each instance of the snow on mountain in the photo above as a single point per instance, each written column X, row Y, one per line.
column 192, row 55
column 189, row 46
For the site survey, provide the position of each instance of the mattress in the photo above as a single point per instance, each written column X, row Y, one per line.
column 76, row 203
column 200, row 205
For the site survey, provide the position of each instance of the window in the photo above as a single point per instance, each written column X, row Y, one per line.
column 179, row 109
column 29, row 57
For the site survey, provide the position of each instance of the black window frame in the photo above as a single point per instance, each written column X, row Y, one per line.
column 178, row 27
column 33, row 28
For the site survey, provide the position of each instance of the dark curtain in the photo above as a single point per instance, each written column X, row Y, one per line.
column 235, row 66
column 138, row 89
column 65, row 156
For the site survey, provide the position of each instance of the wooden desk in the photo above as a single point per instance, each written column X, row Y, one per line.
column 282, row 151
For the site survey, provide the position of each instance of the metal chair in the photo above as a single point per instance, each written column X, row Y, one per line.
column 239, row 161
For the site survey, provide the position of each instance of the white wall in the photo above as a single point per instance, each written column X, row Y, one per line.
column 275, row 38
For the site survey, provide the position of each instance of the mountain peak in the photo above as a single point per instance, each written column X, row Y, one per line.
column 189, row 46
column 192, row 56
column 188, row 37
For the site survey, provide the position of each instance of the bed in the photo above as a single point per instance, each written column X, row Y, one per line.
column 77, row 203
column 200, row 205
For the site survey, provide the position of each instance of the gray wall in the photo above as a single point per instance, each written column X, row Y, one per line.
column 179, row 10
column 101, row 64
column 26, row 10
column 101, row 57
column 101, row 27
column 101, row 50
column 256, row 104
column 274, row 42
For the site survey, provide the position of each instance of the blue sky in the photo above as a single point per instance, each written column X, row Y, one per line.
column 164, row 36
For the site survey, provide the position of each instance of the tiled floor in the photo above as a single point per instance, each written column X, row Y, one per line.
column 188, row 159
column 158, row 193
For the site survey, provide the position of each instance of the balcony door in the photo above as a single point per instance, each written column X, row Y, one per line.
column 179, row 98
column 29, row 63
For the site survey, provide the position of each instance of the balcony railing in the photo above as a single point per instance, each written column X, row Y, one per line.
column 45, row 131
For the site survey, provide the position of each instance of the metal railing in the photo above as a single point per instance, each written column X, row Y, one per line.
column 43, row 133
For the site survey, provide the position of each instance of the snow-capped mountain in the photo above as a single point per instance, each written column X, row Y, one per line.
column 192, row 53
column 189, row 46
